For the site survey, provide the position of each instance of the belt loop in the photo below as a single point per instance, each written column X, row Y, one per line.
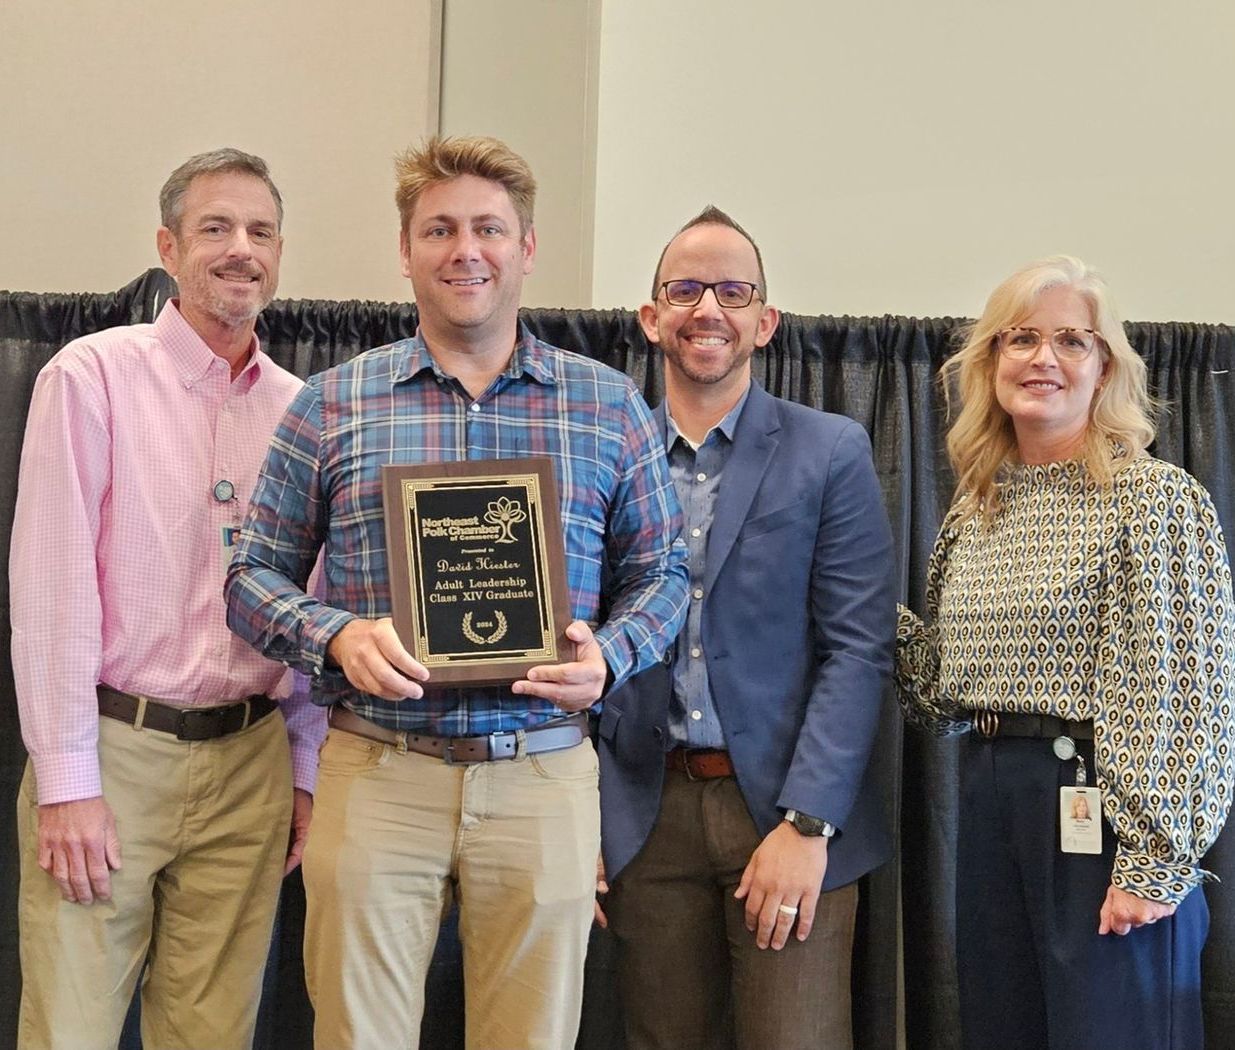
column 520, row 744
column 248, row 713
column 141, row 714
column 401, row 742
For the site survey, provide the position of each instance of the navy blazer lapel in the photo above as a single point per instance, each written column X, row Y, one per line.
column 754, row 442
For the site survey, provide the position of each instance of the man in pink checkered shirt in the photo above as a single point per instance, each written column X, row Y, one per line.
column 154, row 813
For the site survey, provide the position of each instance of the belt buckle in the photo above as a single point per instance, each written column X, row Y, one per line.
column 196, row 723
column 986, row 722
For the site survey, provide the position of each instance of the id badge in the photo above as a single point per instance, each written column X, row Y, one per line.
column 1080, row 820
column 229, row 536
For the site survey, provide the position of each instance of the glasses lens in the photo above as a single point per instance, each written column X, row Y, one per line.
column 1072, row 343
column 683, row 293
column 734, row 294
column 1020, row 342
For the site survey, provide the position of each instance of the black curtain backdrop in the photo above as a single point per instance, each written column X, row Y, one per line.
column 879, row 371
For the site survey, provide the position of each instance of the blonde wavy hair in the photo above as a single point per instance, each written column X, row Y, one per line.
column 982, row 441
column 439, row 159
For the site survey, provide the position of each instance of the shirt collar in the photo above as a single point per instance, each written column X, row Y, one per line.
column 188, row 352
column 727, row 425
column 529, row 358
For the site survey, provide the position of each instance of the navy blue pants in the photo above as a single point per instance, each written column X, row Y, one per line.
column 1033, row 972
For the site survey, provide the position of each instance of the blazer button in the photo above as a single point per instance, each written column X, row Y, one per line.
column 667, row 659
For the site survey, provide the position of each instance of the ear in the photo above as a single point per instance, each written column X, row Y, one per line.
column 169, row 250
column 405, row 259
column 769, row 320
column 647, row 321
column 529, row 250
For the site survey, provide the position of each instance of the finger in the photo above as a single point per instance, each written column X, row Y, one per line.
column 389, row 645
column 784, row 924
column 754, row 907
column 111, row 847
column 1104, row 920
column 59, row 870
column 295, row 851
column 79, row 880
column 744, row 885
column 381, row 679
column 598, row 913
column 97, row 871
column 769, row 918
column 806, row 914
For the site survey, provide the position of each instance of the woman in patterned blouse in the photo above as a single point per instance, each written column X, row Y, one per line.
column 1079, row 621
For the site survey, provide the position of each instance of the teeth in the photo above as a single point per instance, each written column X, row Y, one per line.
column 468, row 281
column 708, row 340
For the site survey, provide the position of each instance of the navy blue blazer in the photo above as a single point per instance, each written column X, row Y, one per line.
column 798, row 633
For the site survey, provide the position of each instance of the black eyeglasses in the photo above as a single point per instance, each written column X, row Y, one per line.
column 732, row 295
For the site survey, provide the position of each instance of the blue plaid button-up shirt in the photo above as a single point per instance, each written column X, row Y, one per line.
column 321, row 485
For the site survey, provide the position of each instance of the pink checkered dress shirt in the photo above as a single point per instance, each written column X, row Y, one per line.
column 120, row 547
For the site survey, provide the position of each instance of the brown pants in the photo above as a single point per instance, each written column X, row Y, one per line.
column 203, row 834
column 691, row 975
column 394, row 836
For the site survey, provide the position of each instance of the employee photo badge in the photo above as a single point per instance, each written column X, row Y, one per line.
column 1080, row 820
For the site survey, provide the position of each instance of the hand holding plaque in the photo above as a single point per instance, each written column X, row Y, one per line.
column 477, row 567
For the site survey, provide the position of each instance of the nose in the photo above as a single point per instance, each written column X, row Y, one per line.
column 239, row 245
column 709, row 305
column 466, row 245
column 1044, row 347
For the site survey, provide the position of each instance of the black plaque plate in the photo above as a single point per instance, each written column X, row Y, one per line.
column 477, row 567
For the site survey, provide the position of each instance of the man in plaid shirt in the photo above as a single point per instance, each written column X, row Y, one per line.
column 398, row 831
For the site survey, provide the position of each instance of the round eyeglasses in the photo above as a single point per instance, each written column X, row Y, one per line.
column 732, row 295
column 1067, row 344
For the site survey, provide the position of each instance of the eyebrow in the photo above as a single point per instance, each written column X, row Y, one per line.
column 486, row 217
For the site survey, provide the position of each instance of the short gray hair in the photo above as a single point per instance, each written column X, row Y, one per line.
column 216, row 162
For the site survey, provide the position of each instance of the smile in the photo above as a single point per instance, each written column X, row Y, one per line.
column 466, row 282
column 707, row 340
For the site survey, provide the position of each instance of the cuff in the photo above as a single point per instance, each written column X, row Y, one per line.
column 1155, row 880
column 316, row 637
column 67, row 776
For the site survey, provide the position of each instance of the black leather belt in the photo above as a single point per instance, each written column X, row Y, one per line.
column 990, row 723
column 184, row 723
column 557, row 735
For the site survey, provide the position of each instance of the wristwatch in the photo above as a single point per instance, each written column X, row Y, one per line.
column 811, row 827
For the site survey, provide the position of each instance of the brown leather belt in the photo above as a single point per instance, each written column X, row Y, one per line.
column 557, row 735
column 989, row 723
column 704, row 763
column 184, row 723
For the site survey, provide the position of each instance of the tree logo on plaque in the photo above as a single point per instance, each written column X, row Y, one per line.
column 506, row 514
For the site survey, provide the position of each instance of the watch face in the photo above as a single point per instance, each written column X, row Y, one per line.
column 808, row 825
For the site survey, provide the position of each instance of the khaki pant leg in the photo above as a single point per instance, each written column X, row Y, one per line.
column 215, row 902
column 376, row 870
column 81, row 962
column 529, row 837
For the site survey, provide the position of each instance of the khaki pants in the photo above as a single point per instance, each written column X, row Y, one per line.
column 394, row 836
column 203, row 834
column 691, row 975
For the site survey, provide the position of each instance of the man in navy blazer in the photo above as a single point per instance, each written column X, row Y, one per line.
column 768, row 706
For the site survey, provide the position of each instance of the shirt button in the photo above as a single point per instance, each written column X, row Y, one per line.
column 698, row 592
column 696, row 652
column 701, row 476
column 696, row 532
column 696, row 715
column 475, row 407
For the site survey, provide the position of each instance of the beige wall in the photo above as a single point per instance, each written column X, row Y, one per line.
column 890, row 157
column 102, row 101
column 904, row 157
column 526, row 72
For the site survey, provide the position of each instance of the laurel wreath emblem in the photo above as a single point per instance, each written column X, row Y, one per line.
column 499, row 632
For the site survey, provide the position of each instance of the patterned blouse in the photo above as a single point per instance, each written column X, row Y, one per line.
column 1112, row 604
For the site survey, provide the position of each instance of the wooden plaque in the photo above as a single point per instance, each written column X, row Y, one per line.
column 477, row 567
